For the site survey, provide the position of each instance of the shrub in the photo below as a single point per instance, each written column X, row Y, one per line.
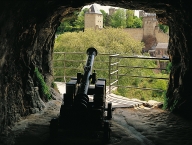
column 44, row 89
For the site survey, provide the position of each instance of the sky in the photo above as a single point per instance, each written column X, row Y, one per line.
column 106, row 8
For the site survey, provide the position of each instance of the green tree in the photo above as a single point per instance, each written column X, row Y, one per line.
column 137, row 22
column 111, row 40
column 164, row 28
column 129, row 18
column 118, row 19
column 79, row 22
column 108, row 40
column 67, row 23
column 133, row 21
column 169, row 67
column 105, row 18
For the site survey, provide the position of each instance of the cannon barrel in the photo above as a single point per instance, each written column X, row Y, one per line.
column 81, row 99
column 77, row 111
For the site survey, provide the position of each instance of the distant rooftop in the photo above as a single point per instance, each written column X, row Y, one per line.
column 149, row 14
column 162, row 45
column 94, row 9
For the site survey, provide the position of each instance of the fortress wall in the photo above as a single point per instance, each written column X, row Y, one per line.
column 162, row 37
column 136, row 33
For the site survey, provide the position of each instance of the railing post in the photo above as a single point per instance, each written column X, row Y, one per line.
column 64, row 68
column 117, row 68
column 109, row 74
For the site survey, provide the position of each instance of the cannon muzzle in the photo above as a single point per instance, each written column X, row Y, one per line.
column 81, row 99
column 91, row 51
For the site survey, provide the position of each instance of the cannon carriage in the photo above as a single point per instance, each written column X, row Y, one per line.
column 84, row 103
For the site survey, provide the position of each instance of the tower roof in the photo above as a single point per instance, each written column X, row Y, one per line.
column 94, row 9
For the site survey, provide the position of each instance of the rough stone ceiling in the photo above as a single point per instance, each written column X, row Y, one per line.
column 27, row 30
column 160, row 8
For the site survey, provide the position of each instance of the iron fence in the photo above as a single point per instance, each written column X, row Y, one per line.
column 112, row 66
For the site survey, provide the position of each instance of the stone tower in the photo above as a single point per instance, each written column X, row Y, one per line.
column 111, row 10
column 93, row 18
column 150, row 23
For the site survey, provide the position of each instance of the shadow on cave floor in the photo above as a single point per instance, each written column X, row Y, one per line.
column 133, row 126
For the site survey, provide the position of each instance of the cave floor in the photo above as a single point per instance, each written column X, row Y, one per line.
column 130, row 126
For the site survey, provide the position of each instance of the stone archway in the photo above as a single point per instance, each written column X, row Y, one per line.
column 27, row 30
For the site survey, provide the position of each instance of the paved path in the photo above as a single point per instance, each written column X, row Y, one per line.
column 120, row 101
column 116, row 100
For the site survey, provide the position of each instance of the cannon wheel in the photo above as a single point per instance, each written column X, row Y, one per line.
column 54, row 124
column 109, row 111
column 107, row 131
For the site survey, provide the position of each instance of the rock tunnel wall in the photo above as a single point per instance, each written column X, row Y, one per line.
column 27, row 33
column 179, row 93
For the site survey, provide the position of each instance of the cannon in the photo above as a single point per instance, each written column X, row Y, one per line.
column 84, row 103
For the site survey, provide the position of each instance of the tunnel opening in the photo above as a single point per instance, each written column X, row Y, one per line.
column 27, row 39
column 164, row 20
column 148, row 32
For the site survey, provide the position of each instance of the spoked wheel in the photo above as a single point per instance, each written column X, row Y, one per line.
column 54, row 128
column 107, row 131
column 109, row 111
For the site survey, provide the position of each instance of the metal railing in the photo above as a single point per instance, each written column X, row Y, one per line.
column 112, row 67
column 73, row 61
column 116, row 72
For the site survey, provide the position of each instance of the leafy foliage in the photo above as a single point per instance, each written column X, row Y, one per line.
column 105, row 18
column 118, row 19
column 74, row 22
column 79, row 22
column 110, row 40
column 168, row 68
column 129, row 20
column 67, row 23
column 122, row 18
column 42, row 85
column 107, row 40
column 164, row 28
column 137, row 22
column 133, row 21
column 129, row 82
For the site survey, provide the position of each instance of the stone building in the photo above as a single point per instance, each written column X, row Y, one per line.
column 149, row 24
column 93, row 18
column 112, row 10
column 150, row 34
column 160, row 51
column 141, row 13
column 150, row 28
column 137, row 33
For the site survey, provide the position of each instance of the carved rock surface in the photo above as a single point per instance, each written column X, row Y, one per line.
column 27, row 34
